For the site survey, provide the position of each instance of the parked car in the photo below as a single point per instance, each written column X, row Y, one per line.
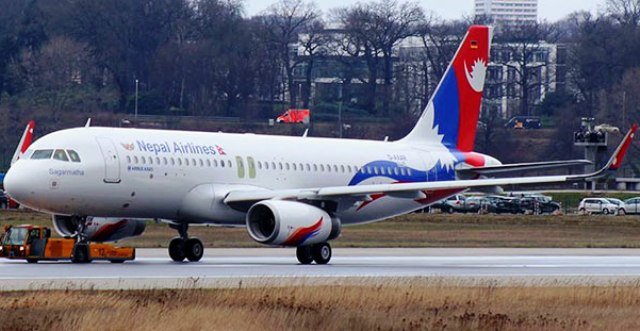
column 622, row 208
column 451, row 204
column 504, row 205
column 539, row 205
column 632, row 206
column 598, row 206
column 524, row 122
column 475, row 204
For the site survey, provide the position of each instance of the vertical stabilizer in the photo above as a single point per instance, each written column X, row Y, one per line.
column 25, row 142
column 451, row 117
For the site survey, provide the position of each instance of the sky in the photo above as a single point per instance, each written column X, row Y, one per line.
column 550, row 10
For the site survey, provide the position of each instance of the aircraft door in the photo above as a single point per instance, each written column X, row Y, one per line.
column 111, row 160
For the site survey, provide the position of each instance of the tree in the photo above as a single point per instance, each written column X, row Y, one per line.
column 285, row 21
column 124, row 36
column 377, row 27
column 522, row 52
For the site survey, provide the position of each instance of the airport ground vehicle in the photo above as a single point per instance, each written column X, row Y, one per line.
column 600, row 206
column 295, row 116
column 34, row 243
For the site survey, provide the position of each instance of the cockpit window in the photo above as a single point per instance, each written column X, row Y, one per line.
column 73, row 155
column 60, row 155
column 42, row 154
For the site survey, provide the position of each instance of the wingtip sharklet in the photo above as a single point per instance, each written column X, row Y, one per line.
column 617, row 157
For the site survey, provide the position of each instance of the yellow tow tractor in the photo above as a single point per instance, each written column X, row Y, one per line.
column 34, row 243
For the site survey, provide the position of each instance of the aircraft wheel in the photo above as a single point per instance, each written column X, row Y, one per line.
column 303, row 253
column 32, row 261
column 176, row 249
column 321, row 253
column 80, row 253
column 194, row 249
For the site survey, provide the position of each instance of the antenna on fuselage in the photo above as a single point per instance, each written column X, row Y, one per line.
column 386, row 138
column 306, row 133
column 88, row 123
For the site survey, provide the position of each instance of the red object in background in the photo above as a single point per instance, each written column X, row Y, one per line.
column 295, row 116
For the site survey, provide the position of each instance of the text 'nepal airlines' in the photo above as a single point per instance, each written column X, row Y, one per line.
column 101, row 184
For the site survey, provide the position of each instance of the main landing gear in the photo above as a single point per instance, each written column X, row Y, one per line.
column 184, row 247
column 321, row 253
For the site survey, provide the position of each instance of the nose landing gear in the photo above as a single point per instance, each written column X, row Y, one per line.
column 184, row 247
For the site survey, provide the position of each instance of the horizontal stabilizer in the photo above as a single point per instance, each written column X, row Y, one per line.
column 506, row 168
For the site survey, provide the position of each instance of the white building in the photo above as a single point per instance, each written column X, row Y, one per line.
column 507, row 11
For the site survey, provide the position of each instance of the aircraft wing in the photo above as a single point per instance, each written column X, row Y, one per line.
column 413, row 190
column 505, row 168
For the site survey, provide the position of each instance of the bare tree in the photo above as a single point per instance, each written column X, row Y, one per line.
column 522, row 51
column 285, row 21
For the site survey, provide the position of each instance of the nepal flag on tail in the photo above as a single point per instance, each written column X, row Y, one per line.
column 451, row 117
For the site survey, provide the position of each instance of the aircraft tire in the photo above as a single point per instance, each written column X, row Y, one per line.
column 321, row 253
column 194, row 249
column 303, row 253
column 80, row 253
column 176, row 249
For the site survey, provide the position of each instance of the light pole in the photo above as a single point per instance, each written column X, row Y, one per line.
column 136, row 104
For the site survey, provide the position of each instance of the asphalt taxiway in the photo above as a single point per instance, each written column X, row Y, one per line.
column 232, row 268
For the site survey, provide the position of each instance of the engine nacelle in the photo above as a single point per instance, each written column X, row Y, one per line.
column 289, row 223
column 100, row 229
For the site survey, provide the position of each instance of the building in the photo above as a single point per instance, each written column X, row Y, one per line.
column 507, row 11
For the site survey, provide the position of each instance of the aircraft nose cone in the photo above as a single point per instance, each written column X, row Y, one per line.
column 16, row 184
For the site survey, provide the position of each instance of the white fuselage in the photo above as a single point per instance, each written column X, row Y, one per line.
column 184, row 176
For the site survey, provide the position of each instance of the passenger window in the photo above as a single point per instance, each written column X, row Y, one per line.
column 60, row 155
column 287, row 166
column 42, row 154
column 308, row 167
column 150, row 160
column 259, row 165
column 158, row 161
column 179, row 162
column 295, row 167
column 215, row 163
column 229, row 164
column 349, row 169
column 202, row 163
column 128, row 159
column 186, row 162
column 342, row 168
column 165, row 161
column 73, row 155
column 193, row 162
column 382, row 171
column 280, row 165
column 315, row 167
column 322, row 167
column 222, row 163
column 273, row 165
column 208, row 163
column 266, row 165
column 173, row 161
column 301, row 167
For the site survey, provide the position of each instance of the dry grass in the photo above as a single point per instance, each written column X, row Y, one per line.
column 424, row 230
column 415, row 307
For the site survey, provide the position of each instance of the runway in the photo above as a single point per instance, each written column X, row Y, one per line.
column 232, row 268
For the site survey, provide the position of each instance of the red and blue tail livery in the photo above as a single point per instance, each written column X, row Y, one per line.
column 452, row 114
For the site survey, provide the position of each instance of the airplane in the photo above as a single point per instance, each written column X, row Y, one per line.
column 103, row 184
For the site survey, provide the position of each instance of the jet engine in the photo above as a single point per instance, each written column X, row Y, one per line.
column 100, row 229
column 289, row 223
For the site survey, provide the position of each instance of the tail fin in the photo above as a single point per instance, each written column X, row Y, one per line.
column 25, row 142
column 451, row 117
